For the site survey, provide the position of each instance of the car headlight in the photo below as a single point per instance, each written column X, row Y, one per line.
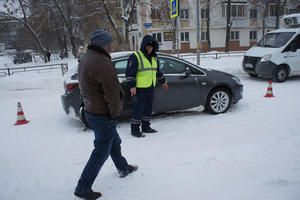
column 266, row 58
column 237, row 80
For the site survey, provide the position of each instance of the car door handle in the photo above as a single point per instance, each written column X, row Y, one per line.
column 289, row 56
column 203, row 83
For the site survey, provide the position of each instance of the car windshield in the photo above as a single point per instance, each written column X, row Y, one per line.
column 275, row 40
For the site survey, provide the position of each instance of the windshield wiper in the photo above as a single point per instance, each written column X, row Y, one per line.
column 267, row 45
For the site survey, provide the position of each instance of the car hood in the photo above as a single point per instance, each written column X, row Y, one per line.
column 260, row 51
column 213, row 72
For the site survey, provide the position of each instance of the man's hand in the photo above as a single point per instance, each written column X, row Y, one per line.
column 165, row 86
column 133, row 91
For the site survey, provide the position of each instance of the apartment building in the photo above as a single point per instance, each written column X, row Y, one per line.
column 248, row 24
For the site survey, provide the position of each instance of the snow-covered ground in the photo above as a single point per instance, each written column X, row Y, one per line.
column 250, row 153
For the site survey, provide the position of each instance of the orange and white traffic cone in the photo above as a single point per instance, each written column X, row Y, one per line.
column 269, row 91
column 20, row 116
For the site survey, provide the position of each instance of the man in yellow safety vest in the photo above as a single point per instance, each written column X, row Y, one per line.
column 141, row 73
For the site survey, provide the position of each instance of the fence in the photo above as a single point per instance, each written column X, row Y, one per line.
column 38, row 68
column 215, row 55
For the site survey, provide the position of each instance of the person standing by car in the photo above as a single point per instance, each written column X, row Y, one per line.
column 141, row 74
column 100, row 88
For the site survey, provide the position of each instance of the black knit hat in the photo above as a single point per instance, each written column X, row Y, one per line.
column 101, row 38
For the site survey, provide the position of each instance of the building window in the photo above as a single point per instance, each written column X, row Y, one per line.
column 236, row 10
column 118, row 4
column 184, row 13
column 223, row 10
column 157, row 36
column 253, row 13
column 272, row 11
column 204, row 13
column 253, row 35
column 185, row 37
column 234, row 35
column 204, row 35
column 155, row 13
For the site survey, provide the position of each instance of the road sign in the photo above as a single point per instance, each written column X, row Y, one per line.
column 148, row 25
column 174, row 8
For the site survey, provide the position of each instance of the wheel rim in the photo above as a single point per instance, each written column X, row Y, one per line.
column 219, row 101
column 281, row 75
column 81, row 112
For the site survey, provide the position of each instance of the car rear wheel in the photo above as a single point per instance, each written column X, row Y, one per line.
column 218, row 101
column 280, row 74
column 82, row 117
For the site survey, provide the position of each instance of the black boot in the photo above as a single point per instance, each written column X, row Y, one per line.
column 137, row 134
column 131, row 169
column 149, row 130
column 89, row 196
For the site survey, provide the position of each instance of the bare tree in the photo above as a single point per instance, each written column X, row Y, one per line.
column 279, row 10
column 160, row 12
column 228, row 25
column 19, row 12
column 113, row 22
column 129, row 13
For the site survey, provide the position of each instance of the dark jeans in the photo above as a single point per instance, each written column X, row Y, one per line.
column 107, row 142
column 142, row 109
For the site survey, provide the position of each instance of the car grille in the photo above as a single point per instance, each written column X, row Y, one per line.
column 251, row 60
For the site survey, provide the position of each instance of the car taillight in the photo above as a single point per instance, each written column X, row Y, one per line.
column 70, row 86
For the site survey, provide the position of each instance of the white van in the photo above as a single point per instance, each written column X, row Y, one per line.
column 277, row 54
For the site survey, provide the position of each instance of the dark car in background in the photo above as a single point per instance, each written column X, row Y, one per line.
column 22, row 57
column 189, row 87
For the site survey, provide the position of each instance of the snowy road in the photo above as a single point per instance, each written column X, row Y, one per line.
column 250, row 153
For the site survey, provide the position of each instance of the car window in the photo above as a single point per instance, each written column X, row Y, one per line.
column 169, row 66
column 196, row 71
column 121, row 65
column 275, row 40
column 295, row 44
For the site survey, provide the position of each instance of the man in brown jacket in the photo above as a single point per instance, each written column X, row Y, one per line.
column 100, row 88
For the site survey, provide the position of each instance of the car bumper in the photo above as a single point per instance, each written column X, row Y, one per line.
column 249, row 64
column 71, row 104
column 265, row 69
column 252, row 65
column 237, row 94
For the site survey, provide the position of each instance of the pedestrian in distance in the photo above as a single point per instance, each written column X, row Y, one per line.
column 103, row 101
column 48, row 55
column 80, row 52
column 141, row 74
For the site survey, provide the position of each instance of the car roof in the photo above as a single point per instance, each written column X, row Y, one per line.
column 125, row 54
column 118, row 55
column 285, row 30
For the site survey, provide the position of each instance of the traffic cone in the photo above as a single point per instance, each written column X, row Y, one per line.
column 269, row 91
column 20, row 116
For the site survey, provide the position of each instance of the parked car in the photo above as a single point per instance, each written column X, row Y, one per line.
column 22, row 57
column 190, row 86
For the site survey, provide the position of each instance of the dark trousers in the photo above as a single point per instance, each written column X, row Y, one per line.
column 107, row 142
column 142, row 109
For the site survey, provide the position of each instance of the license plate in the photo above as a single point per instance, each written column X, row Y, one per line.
column 248, row 65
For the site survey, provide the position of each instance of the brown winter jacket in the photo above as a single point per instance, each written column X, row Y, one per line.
column 99, row 84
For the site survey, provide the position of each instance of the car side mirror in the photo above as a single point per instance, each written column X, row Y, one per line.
column 293, row 48
column 188, row 71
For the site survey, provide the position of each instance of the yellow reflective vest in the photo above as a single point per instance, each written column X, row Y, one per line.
column 146, row 75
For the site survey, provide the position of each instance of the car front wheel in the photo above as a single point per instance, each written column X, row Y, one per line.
column 218, row 101
column 280, row 74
